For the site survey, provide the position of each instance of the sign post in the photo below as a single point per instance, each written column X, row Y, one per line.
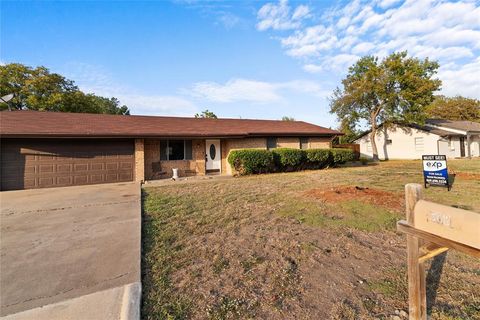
column 435, row 171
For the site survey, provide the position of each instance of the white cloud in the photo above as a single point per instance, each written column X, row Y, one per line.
column 301, row 12
column 228, row 19
column 443, row 30
column 279, row 16
column 387, row 3
column 236, row 90
column 461, row 80
column 255, row 91
column 363, row 48
column 95, row 79
column 158, row 104
column 313, row 68
column 310, row 41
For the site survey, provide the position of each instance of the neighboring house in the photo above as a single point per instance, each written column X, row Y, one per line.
column 47, row 149
column 454, row 139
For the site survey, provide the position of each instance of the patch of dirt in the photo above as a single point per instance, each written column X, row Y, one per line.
column 276, row 268
column 373, row 196
column 467, row 175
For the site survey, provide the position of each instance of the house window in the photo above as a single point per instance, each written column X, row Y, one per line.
column 389, row 141
column 419, row 144
column 303, row 143
column 271, row 143
column 175, row 150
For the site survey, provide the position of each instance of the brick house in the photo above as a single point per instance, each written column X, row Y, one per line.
column 48, row 149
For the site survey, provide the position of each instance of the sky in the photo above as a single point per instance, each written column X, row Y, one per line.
column 248, row 59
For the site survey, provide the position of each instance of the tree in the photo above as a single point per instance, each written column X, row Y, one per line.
column 39, row 89
column 286, row 118
column 456, row 108
column 347, row 127
column 395, row 90
column 206, row 114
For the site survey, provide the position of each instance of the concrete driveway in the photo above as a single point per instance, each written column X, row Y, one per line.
column 75, row 251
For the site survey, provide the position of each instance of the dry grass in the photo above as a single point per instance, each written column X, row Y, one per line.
column 297, row 245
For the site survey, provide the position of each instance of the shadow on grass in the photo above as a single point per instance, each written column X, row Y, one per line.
column 433, row 280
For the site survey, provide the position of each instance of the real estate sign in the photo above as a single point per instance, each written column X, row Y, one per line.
column 435, row 171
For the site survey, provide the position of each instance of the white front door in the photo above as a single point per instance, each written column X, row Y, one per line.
column 212, row 150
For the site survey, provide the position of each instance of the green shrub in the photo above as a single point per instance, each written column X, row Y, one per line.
column 287, row 159
column 364, row 160
column 318, row 158
column 340, row 156
column 250, row 161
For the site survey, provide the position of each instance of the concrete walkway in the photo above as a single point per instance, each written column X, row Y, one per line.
column 71, row 253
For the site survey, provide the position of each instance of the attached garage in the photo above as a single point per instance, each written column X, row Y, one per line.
column 42, row 163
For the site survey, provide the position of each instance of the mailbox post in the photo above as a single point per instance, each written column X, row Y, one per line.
column 431, row 229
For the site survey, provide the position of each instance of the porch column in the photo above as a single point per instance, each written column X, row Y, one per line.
column 469, row 153
column 139, row 160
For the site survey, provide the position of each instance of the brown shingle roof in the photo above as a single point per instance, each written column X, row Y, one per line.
column 34, row 123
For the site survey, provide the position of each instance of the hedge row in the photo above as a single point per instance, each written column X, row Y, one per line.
column 252, row 161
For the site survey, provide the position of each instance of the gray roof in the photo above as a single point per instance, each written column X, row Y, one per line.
column 426, row 128
column 458, row 125
column 430, row 129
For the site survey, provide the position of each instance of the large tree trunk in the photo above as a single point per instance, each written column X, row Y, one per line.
column 373, row 134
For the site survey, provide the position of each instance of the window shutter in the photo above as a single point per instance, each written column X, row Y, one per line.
column 163, row 149
column 188, row 149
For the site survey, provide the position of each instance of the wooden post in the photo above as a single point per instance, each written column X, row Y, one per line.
column 417, row 295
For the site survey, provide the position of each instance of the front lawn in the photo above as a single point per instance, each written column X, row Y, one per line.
column 306, row 245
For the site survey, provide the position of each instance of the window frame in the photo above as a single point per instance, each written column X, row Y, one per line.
column 305, row 141
column 167, row 153
column 270, row 139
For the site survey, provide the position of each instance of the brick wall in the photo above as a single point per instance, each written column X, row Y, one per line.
column 156, row 169
column 292, row 142
column 139, row 160
column 319, row 142
column 235, row 144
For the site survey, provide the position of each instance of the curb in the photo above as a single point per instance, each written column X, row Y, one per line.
column 132, row 294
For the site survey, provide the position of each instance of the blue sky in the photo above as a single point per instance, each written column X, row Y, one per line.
column 247, row 59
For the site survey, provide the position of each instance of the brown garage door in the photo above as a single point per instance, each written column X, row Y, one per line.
column 43, row 163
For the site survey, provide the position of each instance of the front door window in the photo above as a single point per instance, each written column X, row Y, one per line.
column 212, row 151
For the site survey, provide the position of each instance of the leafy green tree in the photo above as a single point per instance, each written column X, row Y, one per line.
column 456, row 108
column 287, row 118
column 348, row 129
column 206, row 114
column 396, row 89
column 39, row 89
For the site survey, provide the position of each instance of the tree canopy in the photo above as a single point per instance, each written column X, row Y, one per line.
column 41, row 90
column 456, row 108
column 206, row 114
column 287, row 118
column 396, row 89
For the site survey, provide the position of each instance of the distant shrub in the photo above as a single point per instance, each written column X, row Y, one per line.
column 250, row 161
column 364, row 160
column 318, row 158
column 340, row 156
column 287, row 159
